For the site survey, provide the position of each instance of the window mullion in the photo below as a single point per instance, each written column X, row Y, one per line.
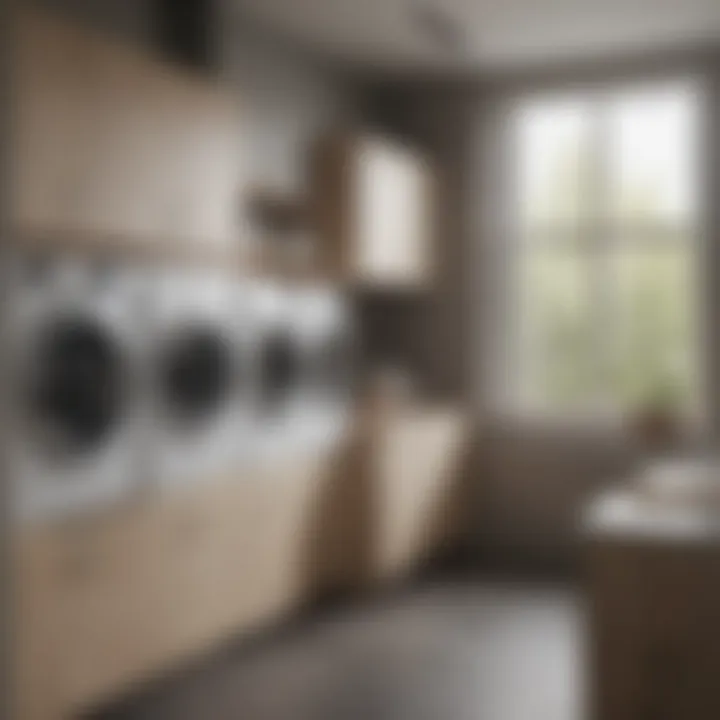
column 603, row 333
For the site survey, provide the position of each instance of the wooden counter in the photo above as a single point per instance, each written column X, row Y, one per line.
column 654, row 593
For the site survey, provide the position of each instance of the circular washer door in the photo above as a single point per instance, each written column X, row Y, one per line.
column 332, row 364
column 77, row 388
column 280, row 369
column 196, row 374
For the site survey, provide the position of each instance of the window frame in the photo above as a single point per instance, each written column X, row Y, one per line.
column 507, row 376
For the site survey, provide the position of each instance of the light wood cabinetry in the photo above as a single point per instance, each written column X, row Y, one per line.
column 374, row 209
column 398, row 501
column 417, row 488
column 87, row 608
column 113, row 145
column 105, row 603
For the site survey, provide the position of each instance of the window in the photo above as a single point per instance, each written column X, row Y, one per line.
column 605, row 228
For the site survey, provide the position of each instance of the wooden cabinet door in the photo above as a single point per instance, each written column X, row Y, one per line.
column 392, row 220
column 414, row 484
column 37, row 630
column 114, row 607
column 236, row 553
column 191, row 531
column 213, row 534
column 337, row 553
column 654, row 631
column 167, row 163
column 285, row 541
column 681, row 624
column 88, row 612
column 58, row 75
column 243, row 588
column 617, row 605
column 204, row 167
column 374, row 210
column 112, row 145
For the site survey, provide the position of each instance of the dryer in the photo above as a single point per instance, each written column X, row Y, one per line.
column 202, row 375
column 305, row 358
column 327, row 336
column 279, row 371
column 74, row 357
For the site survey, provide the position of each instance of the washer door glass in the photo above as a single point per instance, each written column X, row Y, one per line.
column 196, row 374
column 77, row 389
column 280, row 370
column 332, row 365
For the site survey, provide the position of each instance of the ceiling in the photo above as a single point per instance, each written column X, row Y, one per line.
column 486, row 33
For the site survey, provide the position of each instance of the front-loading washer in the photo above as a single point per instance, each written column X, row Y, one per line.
column 202, row 383
column 328, row 347
column 279, row 372
column 74, row 351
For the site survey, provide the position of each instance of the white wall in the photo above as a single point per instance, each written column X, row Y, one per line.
column 286, row 100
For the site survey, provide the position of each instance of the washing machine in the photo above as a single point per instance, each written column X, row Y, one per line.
column 202, row 378
column 280, row 389
column 328, row 350
column 74, row 356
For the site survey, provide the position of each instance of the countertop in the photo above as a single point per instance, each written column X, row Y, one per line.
column 642, row 511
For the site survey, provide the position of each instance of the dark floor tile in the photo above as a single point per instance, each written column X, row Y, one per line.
column 450, row 651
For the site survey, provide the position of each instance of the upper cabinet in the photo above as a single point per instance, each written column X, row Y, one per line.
column 112, row 144
column 374, row 205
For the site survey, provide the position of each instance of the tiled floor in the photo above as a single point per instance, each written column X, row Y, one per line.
column 451, row 651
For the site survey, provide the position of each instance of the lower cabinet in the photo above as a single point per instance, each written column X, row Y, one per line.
column 654, row 631
column 399, row 499
column 88, row 600
column 418, row 493
column 103, row 605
